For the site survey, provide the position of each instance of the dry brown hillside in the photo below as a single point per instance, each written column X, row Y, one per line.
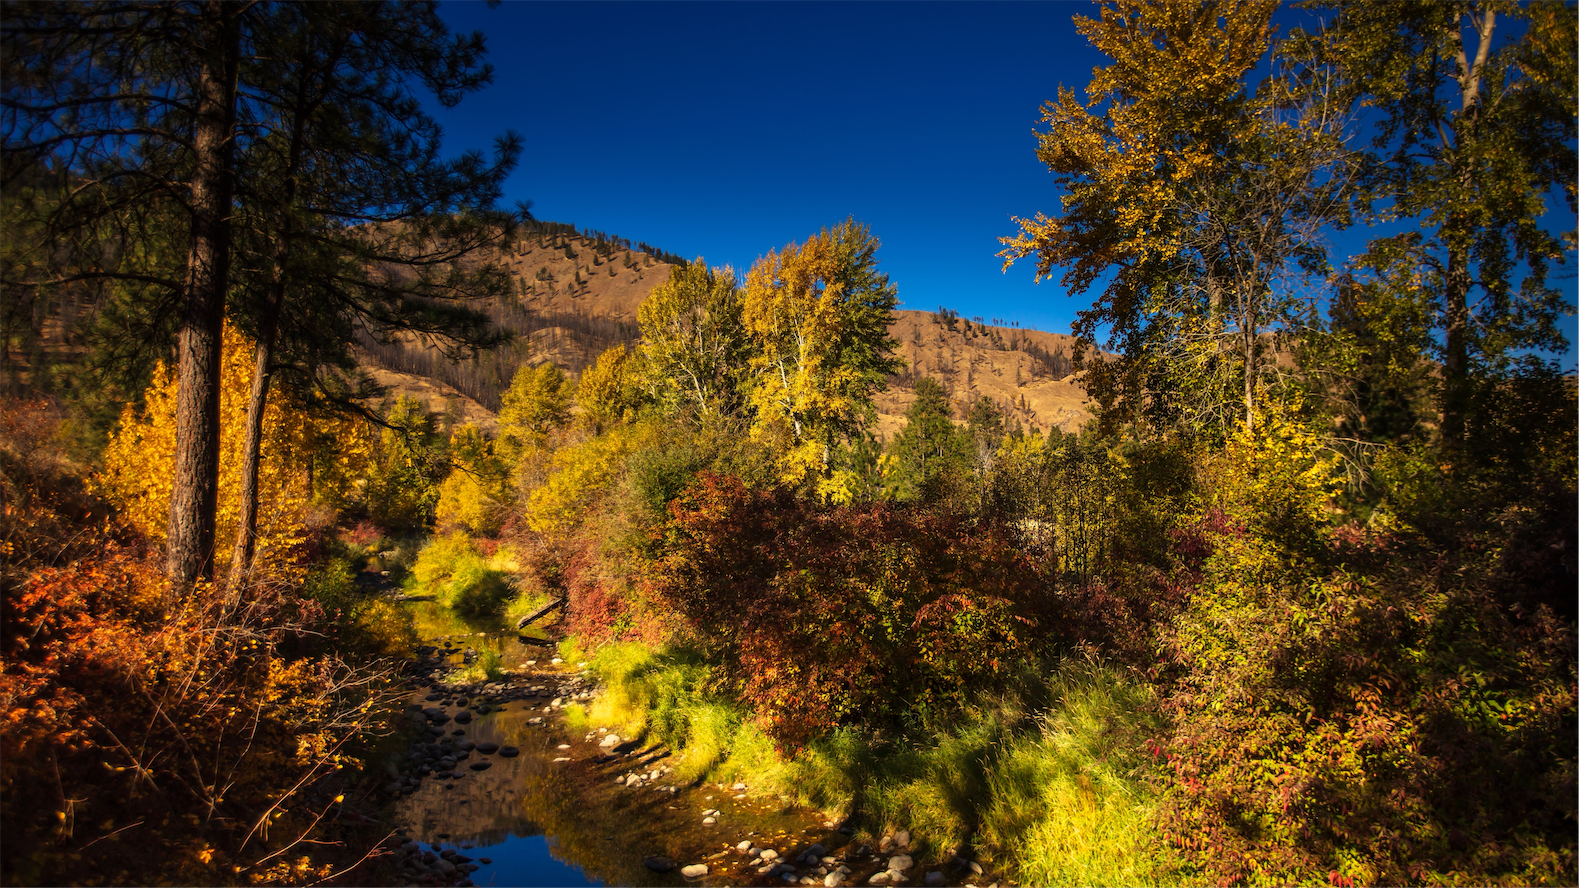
column 577, row 295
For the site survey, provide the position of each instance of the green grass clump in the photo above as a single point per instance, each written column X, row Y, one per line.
column 1065, row 802
column 488, row 666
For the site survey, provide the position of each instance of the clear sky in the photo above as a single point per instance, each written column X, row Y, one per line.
column 728, row 129
column 724, row 130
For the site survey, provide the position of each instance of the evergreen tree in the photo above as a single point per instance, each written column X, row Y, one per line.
column 930, row 456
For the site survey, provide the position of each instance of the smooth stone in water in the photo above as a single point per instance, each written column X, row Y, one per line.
column 694, row 871
column 899, row 863
column 659, row 864
column 481, row 766
column 882, row 878
column 935, row 879
column 487, row 748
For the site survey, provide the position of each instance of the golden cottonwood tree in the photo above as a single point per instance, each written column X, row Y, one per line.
column 536, row 404
column 136, row 476
column 816, row 316
column 1198, row 200
column 693, row 344
column 475, row 495
column 609, row 390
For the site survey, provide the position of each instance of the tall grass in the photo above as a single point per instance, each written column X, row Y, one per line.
column 1046, row 783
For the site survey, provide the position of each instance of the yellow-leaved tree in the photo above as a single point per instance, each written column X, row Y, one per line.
column 476, row 493
column 1197, row 201
column 136, row 476
column 693, row 346
column 816, row 316
column 609, row 391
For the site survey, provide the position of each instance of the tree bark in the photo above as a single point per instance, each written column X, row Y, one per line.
column 1455, row 360
column 1455, row 297
column 274, row 302
column 195, row 491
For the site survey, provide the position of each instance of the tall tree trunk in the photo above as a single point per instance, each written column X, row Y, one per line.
column 1455, row 310
column 195, row 492
column 1249, row 344
column 252, row 449
column 1455, row 361
column 274, row 304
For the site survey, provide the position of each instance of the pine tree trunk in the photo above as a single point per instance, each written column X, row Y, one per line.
column 195, row 492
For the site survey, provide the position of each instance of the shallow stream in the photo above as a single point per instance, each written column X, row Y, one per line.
column 553, row 814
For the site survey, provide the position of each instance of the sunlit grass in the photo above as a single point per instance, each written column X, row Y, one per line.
column 1051, row 792
column 488, row 666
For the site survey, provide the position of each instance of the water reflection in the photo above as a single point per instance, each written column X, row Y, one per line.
column 545, row 822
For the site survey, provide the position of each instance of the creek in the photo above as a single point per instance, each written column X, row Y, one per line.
column 495, row 786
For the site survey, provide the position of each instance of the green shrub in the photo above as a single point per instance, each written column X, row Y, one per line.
column 452, row 570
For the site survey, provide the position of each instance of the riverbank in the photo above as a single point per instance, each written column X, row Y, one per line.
column 1043, row 786
column 506, row 782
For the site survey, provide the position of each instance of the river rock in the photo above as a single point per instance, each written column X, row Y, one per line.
column 816, row 852
column 487, row 748
column 392, row 787
column 768, row 854
column 694, row 871
column 935, row 879
column 899, row 863
column 833, row 880
column 659, row 864
column 509, row 751
column 882, row 878
column 444, row 866
column 609, row 740
column 709, row 821
column 482, row 765
column 902, row 838
column 463, row 717
column 466, row 746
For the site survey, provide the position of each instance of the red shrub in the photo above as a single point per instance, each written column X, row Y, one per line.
column 825, row 617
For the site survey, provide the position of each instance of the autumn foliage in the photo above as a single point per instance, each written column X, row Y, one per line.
column 848, row 616
column 150, row 735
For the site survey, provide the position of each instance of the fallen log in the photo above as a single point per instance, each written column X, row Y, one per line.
column 540, row 613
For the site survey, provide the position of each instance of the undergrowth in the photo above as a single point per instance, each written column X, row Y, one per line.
column 1049, row 782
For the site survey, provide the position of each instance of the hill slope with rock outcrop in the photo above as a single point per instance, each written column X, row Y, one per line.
column 577, row 293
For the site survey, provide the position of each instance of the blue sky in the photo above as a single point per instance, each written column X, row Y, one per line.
column 728, row 129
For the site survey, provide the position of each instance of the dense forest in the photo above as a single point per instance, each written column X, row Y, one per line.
column 1296, row 606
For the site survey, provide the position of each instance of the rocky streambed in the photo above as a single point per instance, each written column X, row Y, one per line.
column 494, row 789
